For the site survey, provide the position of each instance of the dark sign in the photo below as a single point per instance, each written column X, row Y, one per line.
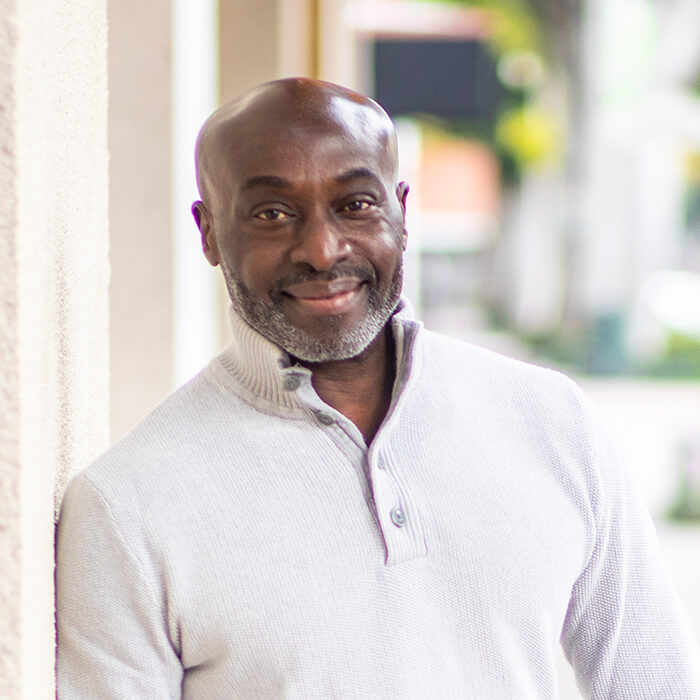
column 453, row 79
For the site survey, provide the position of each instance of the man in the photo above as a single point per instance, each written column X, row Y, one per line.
column 343, row 504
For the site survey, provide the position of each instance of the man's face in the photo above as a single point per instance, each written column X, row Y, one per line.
column 308, row 228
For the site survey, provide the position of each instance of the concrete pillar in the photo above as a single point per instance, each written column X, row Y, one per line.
column 141, row 308
column 248, row 45
column 53, row 319
column 266, row 40
column 338, row 60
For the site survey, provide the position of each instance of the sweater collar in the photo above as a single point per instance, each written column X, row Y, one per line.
column 265, row 370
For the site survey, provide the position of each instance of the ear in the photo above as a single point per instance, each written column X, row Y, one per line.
column 203, row 220
column 402, row 193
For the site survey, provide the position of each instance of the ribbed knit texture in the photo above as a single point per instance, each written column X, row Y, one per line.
column 244, row 543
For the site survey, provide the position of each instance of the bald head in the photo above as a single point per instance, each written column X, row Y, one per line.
column 290, row 106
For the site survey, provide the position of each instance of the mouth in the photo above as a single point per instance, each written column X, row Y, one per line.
column 325, row 297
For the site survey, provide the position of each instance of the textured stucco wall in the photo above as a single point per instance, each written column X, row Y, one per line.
column 54, row 310
column 9, row 379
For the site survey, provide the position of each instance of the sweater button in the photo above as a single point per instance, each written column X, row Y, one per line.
column 291, row 382
column 325, row 418
column 398, row 517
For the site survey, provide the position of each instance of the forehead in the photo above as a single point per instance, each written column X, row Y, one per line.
column 305, row 154
column 306, row 145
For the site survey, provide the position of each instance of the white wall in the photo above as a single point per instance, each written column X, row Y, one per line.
column 54, row 313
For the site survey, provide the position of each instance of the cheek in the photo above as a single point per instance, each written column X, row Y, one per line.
column 385, row 254
column 396, row 229
column 258, row 268
column 255, row 275
column 394, row 240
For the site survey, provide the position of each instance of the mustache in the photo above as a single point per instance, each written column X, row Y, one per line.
column 364, row 274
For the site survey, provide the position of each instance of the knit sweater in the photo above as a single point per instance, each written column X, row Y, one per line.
column 244, row 542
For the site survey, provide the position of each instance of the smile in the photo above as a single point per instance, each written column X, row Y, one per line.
column 325, row 297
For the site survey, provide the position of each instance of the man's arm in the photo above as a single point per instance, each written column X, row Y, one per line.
column 113, row 640
column 625, row 632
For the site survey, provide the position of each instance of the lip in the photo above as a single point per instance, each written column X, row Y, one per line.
column 325, row 297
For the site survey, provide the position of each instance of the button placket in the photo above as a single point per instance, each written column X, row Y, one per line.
column 398, row 516
column 325, row 418
column 291, row 382
column 388, row 501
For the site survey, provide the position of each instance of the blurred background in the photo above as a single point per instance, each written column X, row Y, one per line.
column 553, row 152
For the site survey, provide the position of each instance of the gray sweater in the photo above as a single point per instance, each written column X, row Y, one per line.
column 243, row 542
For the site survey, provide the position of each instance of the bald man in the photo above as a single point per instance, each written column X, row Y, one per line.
column 343, row 504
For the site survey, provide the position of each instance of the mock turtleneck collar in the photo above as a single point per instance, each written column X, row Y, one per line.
column 264, row 369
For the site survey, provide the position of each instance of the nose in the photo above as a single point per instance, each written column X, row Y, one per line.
column 319, row 243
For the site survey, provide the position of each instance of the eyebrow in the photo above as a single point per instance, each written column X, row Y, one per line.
column 265, row 181
column 355, row 174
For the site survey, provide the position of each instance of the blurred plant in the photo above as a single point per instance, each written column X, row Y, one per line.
column 691, row 197
column 513, row 25
column 681, row 358
column 686, row 503
column 531, row 134
column 524, row 134
column 521, row 70
column 695, row 87
column 548, row 28
column 692, row 167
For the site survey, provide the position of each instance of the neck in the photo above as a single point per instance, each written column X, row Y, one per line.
column 360, row 387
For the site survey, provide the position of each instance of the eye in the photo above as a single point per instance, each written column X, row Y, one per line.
column 358, row 205
column 272, row 215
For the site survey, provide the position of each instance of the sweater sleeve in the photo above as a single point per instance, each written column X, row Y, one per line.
column 113, row 640
column 625, row 632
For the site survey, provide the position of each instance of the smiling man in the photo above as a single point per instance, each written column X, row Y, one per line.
column 343, row 504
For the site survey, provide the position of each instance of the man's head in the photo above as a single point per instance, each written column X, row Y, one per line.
column 302, row 209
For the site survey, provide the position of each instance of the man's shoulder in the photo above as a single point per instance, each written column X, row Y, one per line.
column 479, row 376
column 465, row 358
column 176, row 429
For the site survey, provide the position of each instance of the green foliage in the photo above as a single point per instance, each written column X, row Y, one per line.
column 686, row 503
column 696, row 86
column 579, row 351
column 680, row 360
column 531, row 135
column 514, row 24
column 522, row 136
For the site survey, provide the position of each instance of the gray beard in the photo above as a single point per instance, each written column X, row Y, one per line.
column 339, row 343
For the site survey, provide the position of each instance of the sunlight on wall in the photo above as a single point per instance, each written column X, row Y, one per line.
column 194, row 89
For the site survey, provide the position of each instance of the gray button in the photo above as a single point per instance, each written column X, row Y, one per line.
column 325, row 419
column 398, row 517
column 291, row 382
